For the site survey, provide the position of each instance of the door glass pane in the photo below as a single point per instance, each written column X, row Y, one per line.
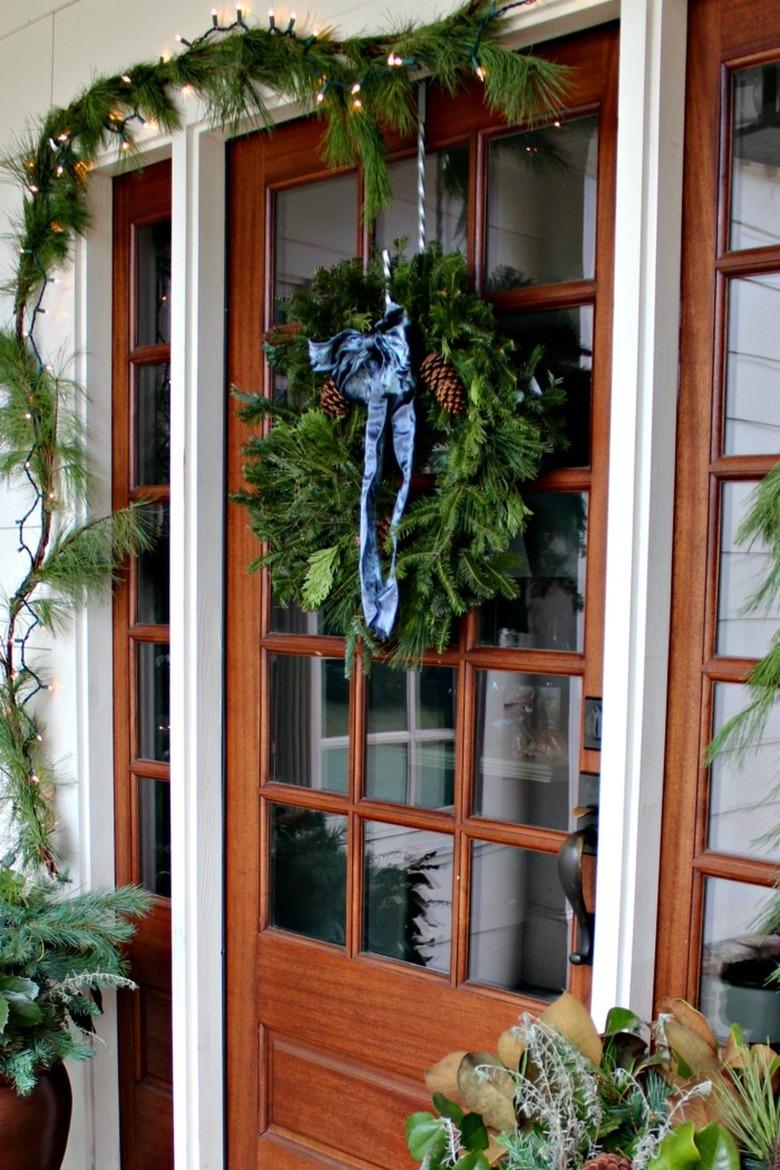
column 566, row 338
column 153, row 283
column 154, row 835
column 315, row 227
column 446, row 202
column 154, row 570
column 153, row 664
column 526, row 747
column 549, row 613
column 737, row 961
column 541, row 225
column 518, row 936
column 745, row 800
column 309, row 722
column 741, row 635
column 308, row 878
column 291, row 619
column 407, row 884
column 410, row 743
column 755, row 179
column 753, row 367
column 152, row 423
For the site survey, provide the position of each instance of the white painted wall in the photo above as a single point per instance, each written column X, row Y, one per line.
column 48, row 51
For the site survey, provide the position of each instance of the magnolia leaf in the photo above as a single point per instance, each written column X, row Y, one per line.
column 443, row 1077
column 425, row 1135
column 692, row 1052
column 496, row 1150
column 572, row 1019
column 473, row 1133
column 24, row 1012
column 687, row 1015
column 717, row 1148
column 511, row 1047
column 678, row 1150
column 319, row 576
column 473, row 1161
column 3, row 1013
column 488, row 1088
column 15, row 985
column 448, row 1108
column 621, row 1020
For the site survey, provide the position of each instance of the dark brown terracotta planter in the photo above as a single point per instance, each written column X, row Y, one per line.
column 34, row 1129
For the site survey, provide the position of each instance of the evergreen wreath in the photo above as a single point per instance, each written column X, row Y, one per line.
column 484, row 428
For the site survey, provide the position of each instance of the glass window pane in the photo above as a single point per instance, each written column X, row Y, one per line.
column 446, row 202
column 549, row 613
column 154, row 571
column 315, row 227
column 737, row 961
column 410, row 742
column 308, row 878
column 741, row 635
column 407, row 884
column 566, row 338
column 519, row 931
column 755, row 179
column 526, row 747
column 753, row 367
column 291, row 619
column 153, row 283
column 153, row 664
column 745, row 800
column 542, row 205
column 309, row 722
column 154, row 835
column 152, row 421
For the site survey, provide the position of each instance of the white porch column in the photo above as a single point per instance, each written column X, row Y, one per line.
column 641, row 490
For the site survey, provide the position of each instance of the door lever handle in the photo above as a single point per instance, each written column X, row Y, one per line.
column 570, row 871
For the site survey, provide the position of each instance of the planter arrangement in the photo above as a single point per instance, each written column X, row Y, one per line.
column 556, row 1095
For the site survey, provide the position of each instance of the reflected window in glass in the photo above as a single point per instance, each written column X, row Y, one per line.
column 309, row 698
column 152, row 423
column 407, row 883
column 410, row 742
column 308, row 872
column 541, row 226
column 566, row 340
column 153, row 284
column 737, row 961
column 549, row 611
column 744, row 799
column 752, row 425
column 153, row 672
column 315, row 226
column 518, row 937
column 526, row 747
column 154, row 569
column 740, row 634
column 446, row 202
column 755, row 176
column 154, row 835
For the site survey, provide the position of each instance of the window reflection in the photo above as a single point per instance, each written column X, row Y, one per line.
column 153, row 673
column 152, row 423
column 548, row 614
column 315, row 227
column 753, row 366
column 309, row 722
column 153, row 283
column 154, row 569
column 446, row 202
column 737, row 960
column 407, row 883
column 308, row 872
column 154, row 835
column 410, row 742
column 542, row 205
column 744, row 799
column 526, row 747
column 740, row 634
column 755, row 182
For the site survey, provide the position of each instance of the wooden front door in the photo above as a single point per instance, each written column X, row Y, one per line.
column 717, row 869
column 392, row 840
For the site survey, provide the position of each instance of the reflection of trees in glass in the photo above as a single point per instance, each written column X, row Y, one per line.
column 309, row 881
column 452, row 185
column 554, row 539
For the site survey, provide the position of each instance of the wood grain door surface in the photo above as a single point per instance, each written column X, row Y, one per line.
column 336, row 1003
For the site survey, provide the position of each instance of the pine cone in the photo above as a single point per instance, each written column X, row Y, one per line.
column 607, row 1161
column 333, row 401
column 443, row 380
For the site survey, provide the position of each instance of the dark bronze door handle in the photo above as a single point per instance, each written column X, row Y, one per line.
column 570, row 866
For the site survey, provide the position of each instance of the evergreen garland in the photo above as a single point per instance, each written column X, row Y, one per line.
column 304, row 472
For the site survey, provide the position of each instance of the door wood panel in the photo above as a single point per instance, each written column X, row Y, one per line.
column 327, row 1044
